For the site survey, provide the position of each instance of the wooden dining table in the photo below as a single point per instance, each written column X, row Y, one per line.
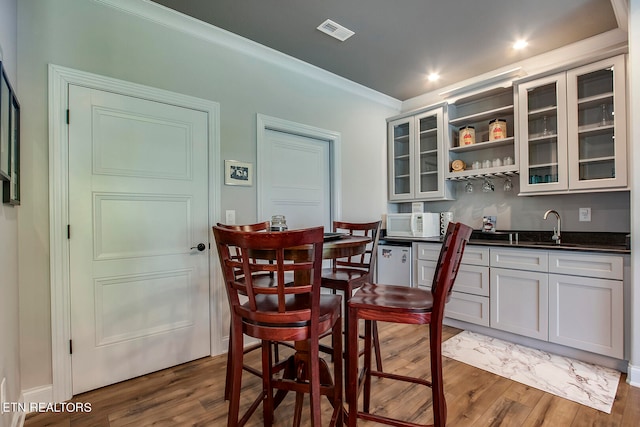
column 334, row 247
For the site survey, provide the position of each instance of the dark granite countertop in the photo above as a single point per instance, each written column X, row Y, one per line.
column 570, row 240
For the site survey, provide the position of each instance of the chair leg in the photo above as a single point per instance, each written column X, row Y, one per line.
column 376, row 344
column 227, row 383
column 337, row 375
column 235, row 368
column 267, row 404
column 437, row 378
column 297, row 411
column 367, row 365
column 352, row 370
column 314, row 382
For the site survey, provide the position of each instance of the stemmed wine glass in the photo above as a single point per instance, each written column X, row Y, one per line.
column 468, row 187
column 487, row 186
column 508, row 185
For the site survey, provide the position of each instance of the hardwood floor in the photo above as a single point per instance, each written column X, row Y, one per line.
column 192, row 395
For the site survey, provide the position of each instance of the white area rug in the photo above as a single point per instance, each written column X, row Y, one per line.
column 584, row 383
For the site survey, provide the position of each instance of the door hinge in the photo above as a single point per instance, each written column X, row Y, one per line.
column 67, row 116
column 68, row 231
column 70, row 346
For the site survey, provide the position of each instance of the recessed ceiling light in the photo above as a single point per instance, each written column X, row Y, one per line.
column 433, row 77
column 520, row 44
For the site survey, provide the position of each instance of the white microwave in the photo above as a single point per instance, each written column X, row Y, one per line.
column 417, row 224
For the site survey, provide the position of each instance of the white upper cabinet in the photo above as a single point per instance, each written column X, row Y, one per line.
column 416, row 162
column 597, row 125
column 543, row 134
column 573, row 130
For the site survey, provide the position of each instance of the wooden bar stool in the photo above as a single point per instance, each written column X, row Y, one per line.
column 266, row 279
column 281, row 313
column 348, row 274
column 398, row 304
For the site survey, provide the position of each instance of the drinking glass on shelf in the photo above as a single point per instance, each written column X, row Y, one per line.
column 545, row 131
column 605, row 116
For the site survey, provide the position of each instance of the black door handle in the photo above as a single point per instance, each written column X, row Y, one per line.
column 201, row 247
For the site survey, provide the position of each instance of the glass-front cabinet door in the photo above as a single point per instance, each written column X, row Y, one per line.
column 597, row 125
column 416, row 157
column 543, row 134
column 429, row 167
column 400, row 159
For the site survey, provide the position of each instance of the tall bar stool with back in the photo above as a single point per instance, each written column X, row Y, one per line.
column 398, row 304
column 280, row 313
column 349, row 273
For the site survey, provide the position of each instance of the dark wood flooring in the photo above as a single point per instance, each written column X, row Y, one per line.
column 192, row 395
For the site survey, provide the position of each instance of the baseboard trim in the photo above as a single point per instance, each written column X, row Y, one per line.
column 38, row 394
column 633, row 375
column 18, row 419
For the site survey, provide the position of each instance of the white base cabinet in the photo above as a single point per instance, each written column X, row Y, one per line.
column 586, row 313
column 586, row 302
column 569, row 298
column 565, row 297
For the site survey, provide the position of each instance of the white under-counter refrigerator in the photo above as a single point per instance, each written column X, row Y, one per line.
column 394, row 264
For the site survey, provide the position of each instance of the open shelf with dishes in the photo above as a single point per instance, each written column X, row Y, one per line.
column 490, row 150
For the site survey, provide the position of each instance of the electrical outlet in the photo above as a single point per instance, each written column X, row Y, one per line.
column 584, row 214
column 230, row 217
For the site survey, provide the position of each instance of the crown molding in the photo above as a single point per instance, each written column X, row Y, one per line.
column 161, row 15
column 621, row 10
column 601, row 46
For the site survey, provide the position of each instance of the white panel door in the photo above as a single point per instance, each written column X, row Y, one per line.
column 296, row 179
column 138, row 200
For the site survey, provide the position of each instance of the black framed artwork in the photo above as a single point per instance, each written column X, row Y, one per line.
column 9, row 141
column 5, row 107
column 11, row 188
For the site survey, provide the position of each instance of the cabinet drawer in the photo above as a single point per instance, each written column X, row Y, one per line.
column 424, row 273
column 428, row 251
column 472, row 279
column 475, row 255
column 520, row 259
column 590, row 265
column 468, row 308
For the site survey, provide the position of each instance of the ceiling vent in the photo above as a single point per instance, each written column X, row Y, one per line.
column 335, row 30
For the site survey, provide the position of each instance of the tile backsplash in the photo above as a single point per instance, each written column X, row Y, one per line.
column 610, row 211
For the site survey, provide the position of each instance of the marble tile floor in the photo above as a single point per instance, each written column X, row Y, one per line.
column 584, row 383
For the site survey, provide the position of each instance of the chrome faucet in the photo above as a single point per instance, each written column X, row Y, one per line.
column 556, row 233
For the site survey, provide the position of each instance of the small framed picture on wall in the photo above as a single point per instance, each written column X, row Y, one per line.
column 238, row 173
